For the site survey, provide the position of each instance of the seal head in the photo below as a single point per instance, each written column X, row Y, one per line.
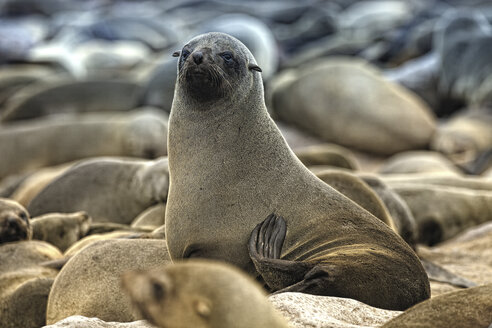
column 209, row 74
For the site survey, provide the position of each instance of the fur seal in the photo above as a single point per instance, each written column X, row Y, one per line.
column 230, row 168
column 71, row 96
column 89, row 283
column 199, row 293
column 461, row 309
column 25, row 283
column 464, row 136
column 108, row 189
column 357, row 190
column 61, row 229
column 444, row 179
column 348, row 102
column 418, row 162
column 400, row 212
column 14, row 222
column 139, row 133
column 154, row 216
column 441, row 212
column 37, row 181
column 327, row 154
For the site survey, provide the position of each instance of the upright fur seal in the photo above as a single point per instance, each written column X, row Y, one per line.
column 230, row 168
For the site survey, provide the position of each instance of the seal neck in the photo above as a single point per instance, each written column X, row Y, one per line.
column 237, row 137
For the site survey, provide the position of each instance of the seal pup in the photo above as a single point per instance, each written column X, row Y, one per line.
column 200, row 293
column 230, row 168
column 14, row 222
column 61, row 229
column 411, row 162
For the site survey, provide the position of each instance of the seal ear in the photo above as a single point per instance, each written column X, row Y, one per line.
column 177, row 53
column 254, row 67
column 203, row 307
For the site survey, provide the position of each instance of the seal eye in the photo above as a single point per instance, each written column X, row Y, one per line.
column 227, row 56
column 23, row 216
column 185, row 54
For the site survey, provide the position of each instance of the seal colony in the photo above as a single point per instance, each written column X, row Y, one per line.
column 235, row 186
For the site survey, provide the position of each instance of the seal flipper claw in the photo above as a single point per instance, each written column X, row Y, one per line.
column 265, row 246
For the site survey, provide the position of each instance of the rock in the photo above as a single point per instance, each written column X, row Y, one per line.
column 304, row 310
column 78, row 321
column 348, row 102
column 89, row 284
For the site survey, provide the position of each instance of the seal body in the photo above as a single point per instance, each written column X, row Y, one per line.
column 230, row 168
column 108, row 189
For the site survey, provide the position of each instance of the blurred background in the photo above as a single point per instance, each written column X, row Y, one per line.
column 95, row 78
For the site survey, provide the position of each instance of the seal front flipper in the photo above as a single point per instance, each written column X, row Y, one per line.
column 265, row 246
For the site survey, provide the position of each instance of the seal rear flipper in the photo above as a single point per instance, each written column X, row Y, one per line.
column 265, row 246
column 440, row 274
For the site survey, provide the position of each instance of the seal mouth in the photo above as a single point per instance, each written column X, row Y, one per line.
column 203, row 82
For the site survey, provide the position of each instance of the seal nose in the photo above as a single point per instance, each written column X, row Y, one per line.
column 198, row 57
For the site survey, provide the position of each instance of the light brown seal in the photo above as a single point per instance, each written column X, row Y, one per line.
column 461, row 309
column 230, row 168
column 108, row 189
column 199, row 293
column 61, row 229
column 14, row 222
column 25, row 283
column 139, row 133
column 89, row 283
